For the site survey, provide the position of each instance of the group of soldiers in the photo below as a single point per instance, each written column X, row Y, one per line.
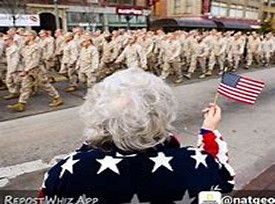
column 32, row 60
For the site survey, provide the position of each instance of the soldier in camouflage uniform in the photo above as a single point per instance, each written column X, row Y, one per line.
column 217, row 54
column 88, row 62
column 14, row 67
column 236, row 51
column 200, row 55
column 253, row 46
column 59, row 44
column 266, row 49
column 34, row 73
column 69, row 58
column 2, row 66
column 171, row 53
column 46, row 44
column 133, row 55
column 110, row 51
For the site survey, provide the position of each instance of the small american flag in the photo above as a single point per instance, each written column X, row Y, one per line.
column 239, row 88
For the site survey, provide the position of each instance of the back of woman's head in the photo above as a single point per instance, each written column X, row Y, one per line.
column 132, row 109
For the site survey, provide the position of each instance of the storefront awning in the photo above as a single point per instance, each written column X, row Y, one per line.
column 234, row 25
column 184, row 23
column 196, row 23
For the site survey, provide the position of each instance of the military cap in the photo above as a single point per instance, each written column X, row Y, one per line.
column 30, row 32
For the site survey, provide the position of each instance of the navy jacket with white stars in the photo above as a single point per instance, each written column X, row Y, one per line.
column 165, row 174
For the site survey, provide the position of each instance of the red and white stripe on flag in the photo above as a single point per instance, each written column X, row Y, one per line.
column 240, row 89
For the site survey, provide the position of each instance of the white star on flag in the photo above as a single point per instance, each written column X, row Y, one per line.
column 161, row 160
column 128, row 155
column 108, row 163
column 46, row 175
column 135, row 200
column 68, row 165
column 185, row 199
column 200, row 158
column 215, row 188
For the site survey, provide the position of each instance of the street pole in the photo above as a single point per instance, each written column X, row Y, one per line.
column 269, row 9
column 56, row 14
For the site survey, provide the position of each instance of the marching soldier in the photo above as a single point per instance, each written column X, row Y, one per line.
column 171, row 56
column 133, row 55
column 69, row 58
column 253, row 45
column 59, row 44
column 110, row 52
column 2, row 67
column 266, row 49
column 88, row 62
column 32, row 72
column 47, row 48
column 237, row 49
column 200, row 55
column 217, row 54
column 14, row 67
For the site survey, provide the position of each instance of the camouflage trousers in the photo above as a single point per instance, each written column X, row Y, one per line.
column 266, row 56
column 87, row 77
column 13, row 82
column 70, row 72
column 57, row 62
column 169, row 67
column 234, row 60
column 251, row 56
column 49, row 67
column 214, row 59
column 36, row 77
column 3, row 70
column 201, row 61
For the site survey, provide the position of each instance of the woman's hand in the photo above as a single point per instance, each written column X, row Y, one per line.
column 212, row 117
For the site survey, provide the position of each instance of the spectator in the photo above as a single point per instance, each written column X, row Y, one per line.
column 130, row 153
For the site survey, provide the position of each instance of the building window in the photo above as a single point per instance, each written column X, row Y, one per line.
column 189, row 6
column 236, row 11
column 127, row 2
column 218, row 9
column 252, row 13
column 177, row 7
column 113, row 1
column 113, row 18
column 77, row 17
column 141, row 19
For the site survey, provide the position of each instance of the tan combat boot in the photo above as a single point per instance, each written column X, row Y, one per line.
column 56, row 102
column 71, row 89
column 202, row 76
column 208, row 73
column 18, row 107
column 11, row 96
column 178, row 80
column 188, row 75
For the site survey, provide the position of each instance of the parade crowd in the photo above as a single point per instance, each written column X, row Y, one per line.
column 31, row 60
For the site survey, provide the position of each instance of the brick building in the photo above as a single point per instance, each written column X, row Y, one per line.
column 91, row 14
column 268, row 11
column 225, row 13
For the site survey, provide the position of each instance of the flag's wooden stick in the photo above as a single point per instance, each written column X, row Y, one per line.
column 216, row 98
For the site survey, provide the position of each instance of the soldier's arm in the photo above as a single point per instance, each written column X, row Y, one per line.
column 142, row 57
column 95, row 59
column 122, row 56
column 74, row 55
column 35, row 55
column 177, row 52
column 50, row 49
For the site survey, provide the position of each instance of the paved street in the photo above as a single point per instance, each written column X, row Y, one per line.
column 29, row 144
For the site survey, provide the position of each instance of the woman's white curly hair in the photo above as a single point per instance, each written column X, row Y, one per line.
column 132, row 109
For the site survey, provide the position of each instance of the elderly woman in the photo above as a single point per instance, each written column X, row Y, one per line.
column 130, row 154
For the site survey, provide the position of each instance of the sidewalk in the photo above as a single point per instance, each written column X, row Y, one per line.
column 248, row 130
column 264, row 182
